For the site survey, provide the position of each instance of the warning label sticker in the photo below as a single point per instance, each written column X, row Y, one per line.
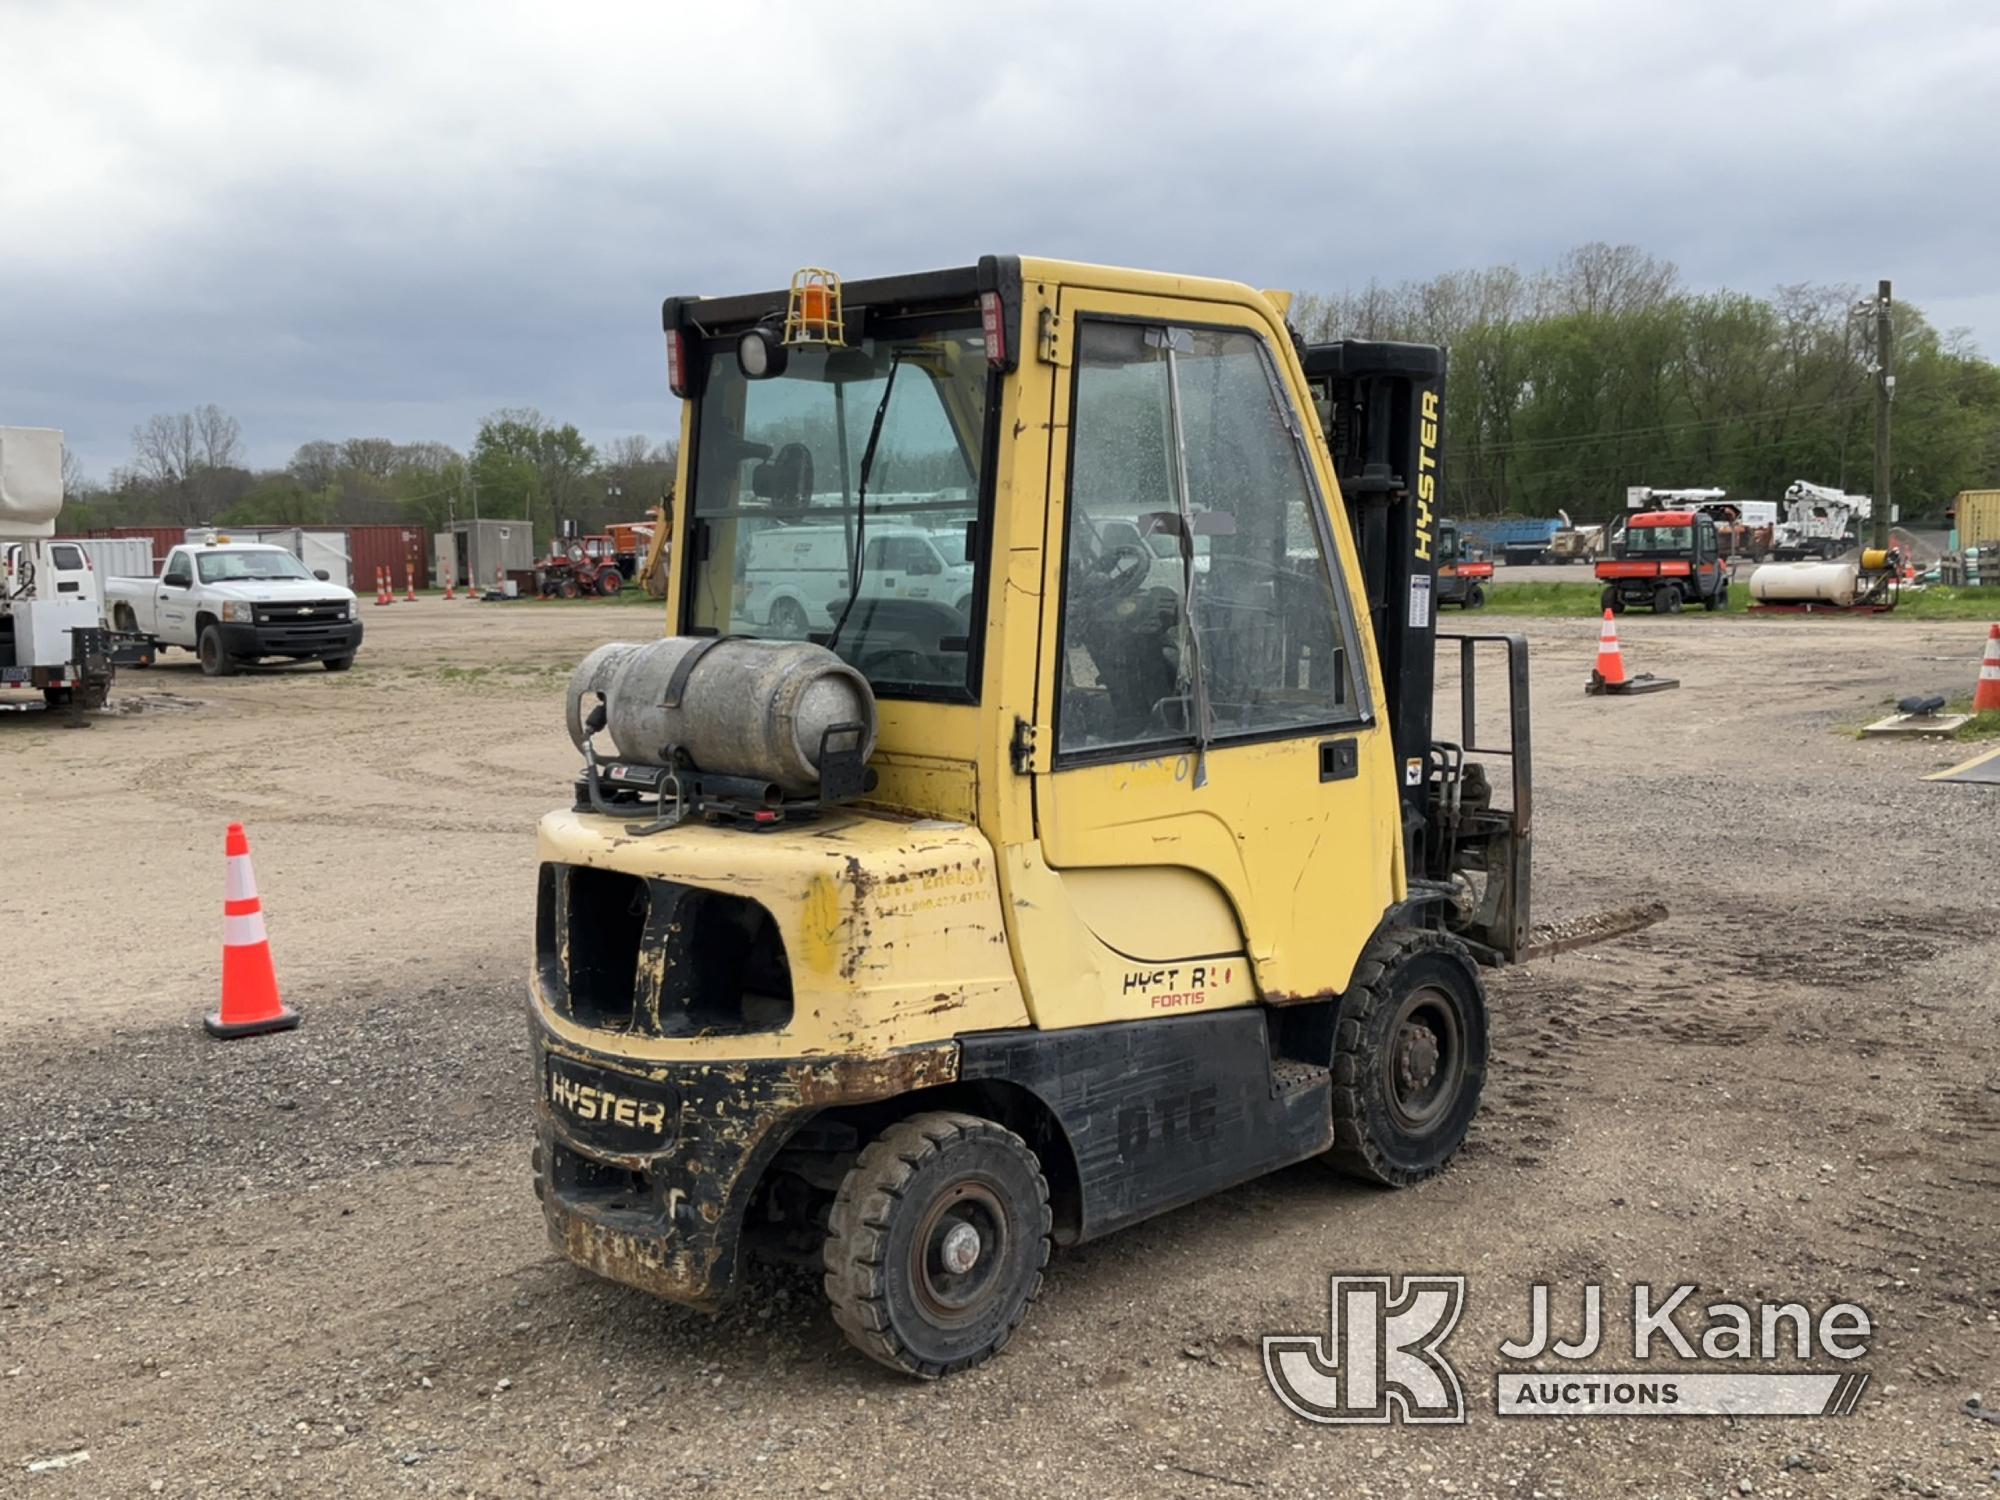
column 1420, row 602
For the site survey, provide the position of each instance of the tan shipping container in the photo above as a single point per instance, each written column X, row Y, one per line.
column 1977, row 515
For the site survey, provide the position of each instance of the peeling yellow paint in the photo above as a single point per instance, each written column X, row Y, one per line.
column 819, row 926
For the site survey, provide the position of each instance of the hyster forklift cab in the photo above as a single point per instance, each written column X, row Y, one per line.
column 1665, row 559
column 962, row 928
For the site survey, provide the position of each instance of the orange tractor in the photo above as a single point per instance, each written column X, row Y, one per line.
column 585, row 565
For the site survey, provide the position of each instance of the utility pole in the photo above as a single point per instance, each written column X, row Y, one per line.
column 1885, row 391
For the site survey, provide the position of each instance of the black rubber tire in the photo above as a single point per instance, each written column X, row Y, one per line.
column 569, row 588
column 215, row 662
column 1716, row 600
column 609, row 582
column 1476, row 599
column 1667, row 600
column 336, row 663
column 1406, row 967
column 1612, row 600
column 788, row 620
column 900, row 1187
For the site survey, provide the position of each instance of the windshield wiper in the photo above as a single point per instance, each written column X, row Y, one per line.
column 861, row 500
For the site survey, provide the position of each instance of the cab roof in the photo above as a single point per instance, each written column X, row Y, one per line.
column 1005, row 274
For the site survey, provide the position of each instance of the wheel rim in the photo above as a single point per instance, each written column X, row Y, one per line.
column 1424, row 1063
column 958, row 1255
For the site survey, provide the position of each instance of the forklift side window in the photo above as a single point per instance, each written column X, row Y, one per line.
column 1232, row 630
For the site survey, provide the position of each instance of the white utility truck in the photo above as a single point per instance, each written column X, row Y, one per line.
column 52, row 635
column 236, row 603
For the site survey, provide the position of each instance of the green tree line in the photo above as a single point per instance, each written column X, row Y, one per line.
column 187, row 470
column 1569, row 384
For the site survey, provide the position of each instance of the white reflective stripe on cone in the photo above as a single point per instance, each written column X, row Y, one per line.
column 240, row 884
column 244, row 931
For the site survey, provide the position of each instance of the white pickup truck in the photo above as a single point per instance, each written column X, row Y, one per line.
column 234, row 603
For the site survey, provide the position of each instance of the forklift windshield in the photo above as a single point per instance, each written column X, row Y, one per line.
column 836, row 501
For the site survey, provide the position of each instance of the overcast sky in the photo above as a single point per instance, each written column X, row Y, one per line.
column 386, row 219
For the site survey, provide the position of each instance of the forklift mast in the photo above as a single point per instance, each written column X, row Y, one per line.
column 1469, row 861
column 1381, row 405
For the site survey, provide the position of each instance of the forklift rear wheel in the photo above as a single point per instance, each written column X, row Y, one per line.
column 1667, row 601
column 936, row 1242
column 1409, row 1058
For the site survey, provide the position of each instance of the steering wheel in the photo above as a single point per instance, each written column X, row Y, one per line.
column 1116, row 572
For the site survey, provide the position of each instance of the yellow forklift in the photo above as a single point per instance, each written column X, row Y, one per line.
column 948, row 934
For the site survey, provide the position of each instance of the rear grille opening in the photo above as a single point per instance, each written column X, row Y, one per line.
column 734, row 978
column 622, row 953
column 607, row 918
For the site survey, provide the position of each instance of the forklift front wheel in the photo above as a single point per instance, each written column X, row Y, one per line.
column 1409, row 1058
column 936, row 1243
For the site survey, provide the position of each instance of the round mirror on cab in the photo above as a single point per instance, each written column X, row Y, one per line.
column 759, row 354
column 322, row 575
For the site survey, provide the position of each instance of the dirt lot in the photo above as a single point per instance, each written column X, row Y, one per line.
column 312, row 1265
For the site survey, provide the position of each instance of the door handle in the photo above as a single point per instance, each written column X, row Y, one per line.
column 1339, row 760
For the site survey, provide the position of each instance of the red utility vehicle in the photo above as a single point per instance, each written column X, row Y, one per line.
column 1665, row 558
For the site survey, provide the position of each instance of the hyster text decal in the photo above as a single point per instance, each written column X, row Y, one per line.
column 1427, row 462
column 588, row 1103
column 1164, row 988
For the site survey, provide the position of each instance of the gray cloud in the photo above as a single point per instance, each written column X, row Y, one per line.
column 387, row 219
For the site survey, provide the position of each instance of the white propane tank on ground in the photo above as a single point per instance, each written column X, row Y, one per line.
column 732, row 705
column 1805, row 583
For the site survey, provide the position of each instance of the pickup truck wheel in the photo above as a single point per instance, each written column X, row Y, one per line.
column 936, row 1241
column 788, row 620
column 337, row 663
column 215, row 662
column 1409, row 1058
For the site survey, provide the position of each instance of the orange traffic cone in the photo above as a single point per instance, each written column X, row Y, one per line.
column 382, row 594
column 409, row 585
column 1609, row 675
column 250, row 1003
column 1610, row 669
column 1986, row 697
column 447, row 587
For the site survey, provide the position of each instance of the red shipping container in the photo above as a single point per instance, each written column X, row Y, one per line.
column 393, row 547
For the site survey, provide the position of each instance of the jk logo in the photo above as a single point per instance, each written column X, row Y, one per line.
column 1380, row 1360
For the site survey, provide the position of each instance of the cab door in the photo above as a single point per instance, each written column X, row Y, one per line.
column 1219, row 807
column 1707, row 557
column 173, row 599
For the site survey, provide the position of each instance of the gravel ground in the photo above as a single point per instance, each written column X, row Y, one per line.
column 312, row 1265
